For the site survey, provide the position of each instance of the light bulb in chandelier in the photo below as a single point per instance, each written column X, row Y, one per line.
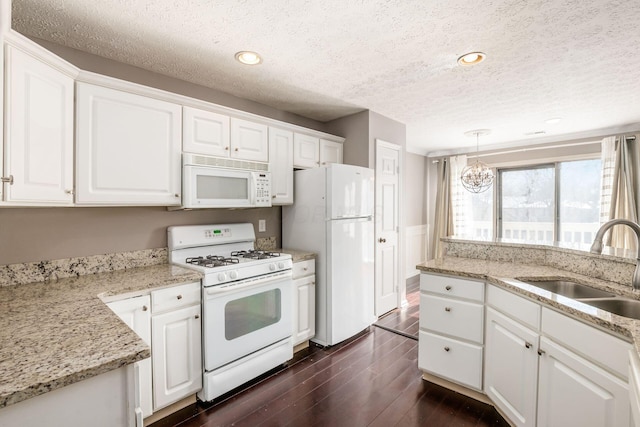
column 477, row 177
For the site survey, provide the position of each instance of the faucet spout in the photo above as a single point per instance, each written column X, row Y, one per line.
column 596, row 247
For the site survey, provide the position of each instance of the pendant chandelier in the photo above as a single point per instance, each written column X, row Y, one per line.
column 477, row 177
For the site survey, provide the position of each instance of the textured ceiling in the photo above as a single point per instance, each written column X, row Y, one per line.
column 575, row 59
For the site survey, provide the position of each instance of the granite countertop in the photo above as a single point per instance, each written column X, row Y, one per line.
column 504, row 274
column 57, row 333
column 298, row 255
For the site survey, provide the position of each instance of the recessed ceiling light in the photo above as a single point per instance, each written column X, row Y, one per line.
column 553, row 121
column 471, row 58
column 248, row 58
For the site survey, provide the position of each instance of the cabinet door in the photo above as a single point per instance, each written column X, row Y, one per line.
column 511, row 368
column 330, row 152
column 205, row 132
column 575, row 392
column 177, row 358
column 281, row 166
column 249, row 141
column 39, row 130
column 306, row 151
column 128, row 148
column 136, row 314
column 304, row 312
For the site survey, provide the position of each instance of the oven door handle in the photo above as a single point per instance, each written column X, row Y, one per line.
column 216, row 290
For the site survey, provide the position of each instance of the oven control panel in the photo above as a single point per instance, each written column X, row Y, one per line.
column 215, row 233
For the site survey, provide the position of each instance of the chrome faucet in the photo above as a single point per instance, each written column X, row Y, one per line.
column 596, row 247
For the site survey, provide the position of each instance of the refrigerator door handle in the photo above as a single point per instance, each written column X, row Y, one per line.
column 355, row 218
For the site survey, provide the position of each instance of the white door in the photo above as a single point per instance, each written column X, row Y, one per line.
column 205, row 132
column 39, row 131
column 575, row 392
column 330, row 152
column 177, row 355
column 249, row 140
column 306, row 151
column 511, row 368
column 349, row 277
column 387, row 185
column 128, row 148
column 281, row 166
column 136, row 314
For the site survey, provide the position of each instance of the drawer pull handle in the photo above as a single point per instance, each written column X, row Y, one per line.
column 447, row 349
column 448, row 288
column 305, row 268
column 447, row 309
column 541, row 352
column 179, row 296
column 197, row 316
column 145, row 308
column 527, row 344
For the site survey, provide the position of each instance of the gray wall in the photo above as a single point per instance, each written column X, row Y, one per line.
column 37, row 234
column 355, row 128
column 415, row 173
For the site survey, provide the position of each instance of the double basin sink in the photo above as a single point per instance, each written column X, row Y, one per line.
column 598, row 298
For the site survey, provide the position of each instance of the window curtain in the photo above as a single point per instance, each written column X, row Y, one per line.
column 443, row 223
column 460, row 198
column 620, row 188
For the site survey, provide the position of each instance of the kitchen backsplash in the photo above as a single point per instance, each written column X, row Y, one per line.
column 266, row 243
column 43, row 271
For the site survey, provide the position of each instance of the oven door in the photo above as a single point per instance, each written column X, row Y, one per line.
column 210, row 187
column 245, row 317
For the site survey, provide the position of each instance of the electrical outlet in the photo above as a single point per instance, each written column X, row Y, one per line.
column 262, row 225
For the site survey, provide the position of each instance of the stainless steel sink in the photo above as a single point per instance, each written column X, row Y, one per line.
column 569, row 289
column 620, row 306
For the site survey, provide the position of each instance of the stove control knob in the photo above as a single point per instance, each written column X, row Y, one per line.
column 272, row 267
column 281, row 264
column 222, row 277
column 233, row 274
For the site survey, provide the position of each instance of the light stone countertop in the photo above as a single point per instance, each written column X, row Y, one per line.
column 298, row 255
column 58, row 333
column 504, row 274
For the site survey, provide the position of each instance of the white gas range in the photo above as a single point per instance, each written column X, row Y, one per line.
column 246, row 302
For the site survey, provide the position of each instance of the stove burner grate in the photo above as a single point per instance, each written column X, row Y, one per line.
column 211, row 261
column 253, row 254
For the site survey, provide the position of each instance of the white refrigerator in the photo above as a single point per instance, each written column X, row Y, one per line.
column 332, row 215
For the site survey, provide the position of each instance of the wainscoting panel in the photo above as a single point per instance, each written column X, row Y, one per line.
column 416, row 250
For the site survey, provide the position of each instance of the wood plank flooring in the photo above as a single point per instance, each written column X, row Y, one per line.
column 371, row 380
column 405, row 320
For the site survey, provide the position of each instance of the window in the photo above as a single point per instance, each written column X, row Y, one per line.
column 553, row 202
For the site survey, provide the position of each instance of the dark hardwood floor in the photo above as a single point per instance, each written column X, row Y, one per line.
column 404, row 320
column 371, row 380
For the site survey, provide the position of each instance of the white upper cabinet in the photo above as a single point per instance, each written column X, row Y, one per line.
column 306, row 151
column 281, row 166
column 311, row 152
column 205, row 132
column 249, row 140
column 330, row 152
column 128, row 148
column 39, row 132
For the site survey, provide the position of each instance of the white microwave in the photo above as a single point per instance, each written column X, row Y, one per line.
column 210, row 182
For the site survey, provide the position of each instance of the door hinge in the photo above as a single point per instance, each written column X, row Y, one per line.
column 8, row 179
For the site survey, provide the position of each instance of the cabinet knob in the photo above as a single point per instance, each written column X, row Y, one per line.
column 145, row 308
column 317, row 163
column 179, row 297
column 273, row 197
column 541, row 352
column 197, row 316
column 324, row 163
column 381, row 240
column 447, row 349
column 527, row 344
column 236, row 149
column 176, row 195
column 305, row 268
column 447, row 309
column 448, row 288
column 8, row 179
column 68, row 191
column 226, row 148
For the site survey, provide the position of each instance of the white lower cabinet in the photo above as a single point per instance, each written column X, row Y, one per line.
column 544, row 368
column 304, row 301
column 451, row 329
column 177, row 348
column 136, row 314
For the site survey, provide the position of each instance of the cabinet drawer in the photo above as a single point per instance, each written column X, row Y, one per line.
column 452, row 287
column 175, row 297
column 461, row 319
column 304, row 268
column 519, row 308
column 451, row 359
column 598, row 346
